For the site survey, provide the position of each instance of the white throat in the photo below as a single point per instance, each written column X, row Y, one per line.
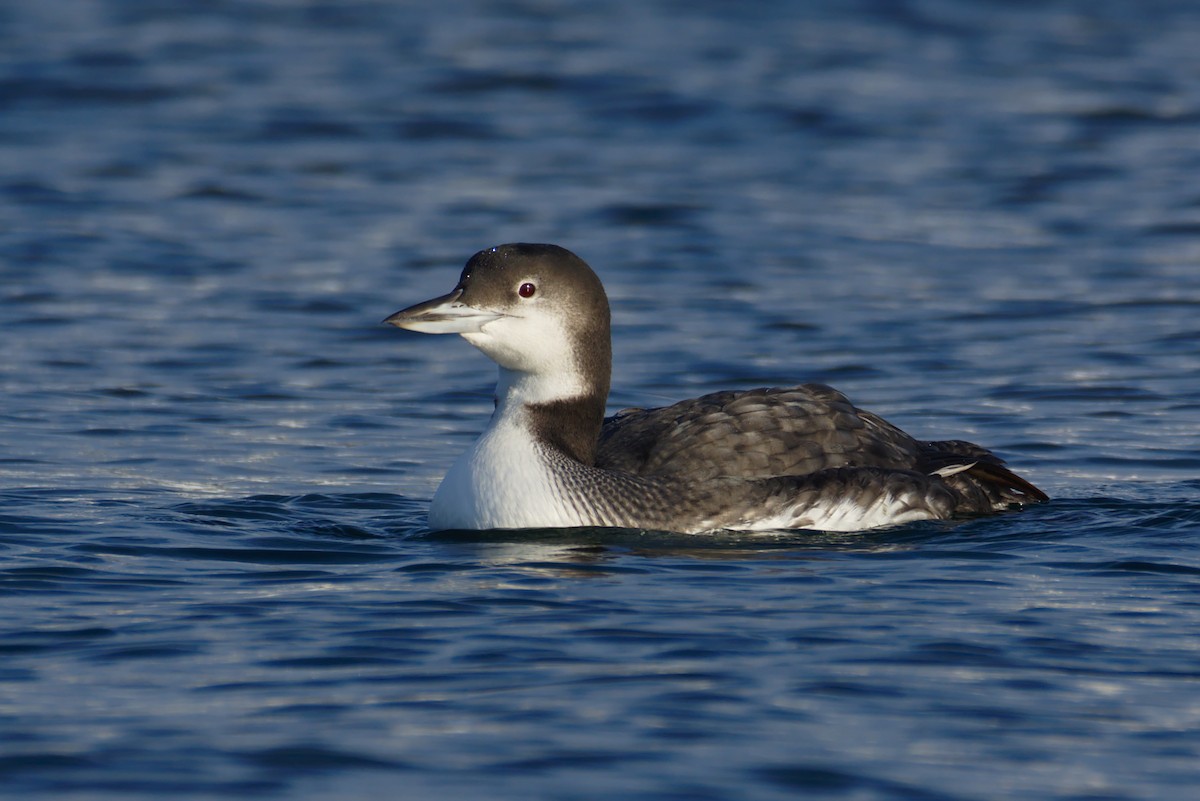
column 515, row 389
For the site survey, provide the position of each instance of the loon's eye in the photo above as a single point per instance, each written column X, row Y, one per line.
column 526, row 290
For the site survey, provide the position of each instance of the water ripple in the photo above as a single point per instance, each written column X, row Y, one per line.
column 978, row 220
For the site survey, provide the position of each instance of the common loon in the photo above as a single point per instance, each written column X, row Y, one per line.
column 786, row 458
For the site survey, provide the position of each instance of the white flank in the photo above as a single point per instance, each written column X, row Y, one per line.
column 840, row 514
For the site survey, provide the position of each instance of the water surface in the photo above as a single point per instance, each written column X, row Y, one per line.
column 979, row 220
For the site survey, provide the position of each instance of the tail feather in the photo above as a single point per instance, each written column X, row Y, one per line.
column 978, row 475
column 1006, row 482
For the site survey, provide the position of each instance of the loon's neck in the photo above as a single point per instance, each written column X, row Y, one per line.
column 519, row 473
column 563, row 412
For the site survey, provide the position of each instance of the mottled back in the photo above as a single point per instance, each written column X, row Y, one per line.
column 758, row 433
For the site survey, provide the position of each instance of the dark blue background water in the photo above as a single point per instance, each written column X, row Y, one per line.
column 981, row 220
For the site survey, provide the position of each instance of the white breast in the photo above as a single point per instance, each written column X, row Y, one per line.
column 502, row 481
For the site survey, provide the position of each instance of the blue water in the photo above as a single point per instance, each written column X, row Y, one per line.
column 981, row 220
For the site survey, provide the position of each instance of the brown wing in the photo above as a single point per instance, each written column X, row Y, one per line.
column 755, row 433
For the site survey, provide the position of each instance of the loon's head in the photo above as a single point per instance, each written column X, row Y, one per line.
column 538, row 311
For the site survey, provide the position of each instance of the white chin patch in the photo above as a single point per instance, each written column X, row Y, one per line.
column 537, row 347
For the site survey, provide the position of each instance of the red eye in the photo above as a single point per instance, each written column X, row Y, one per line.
column 526, row 290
